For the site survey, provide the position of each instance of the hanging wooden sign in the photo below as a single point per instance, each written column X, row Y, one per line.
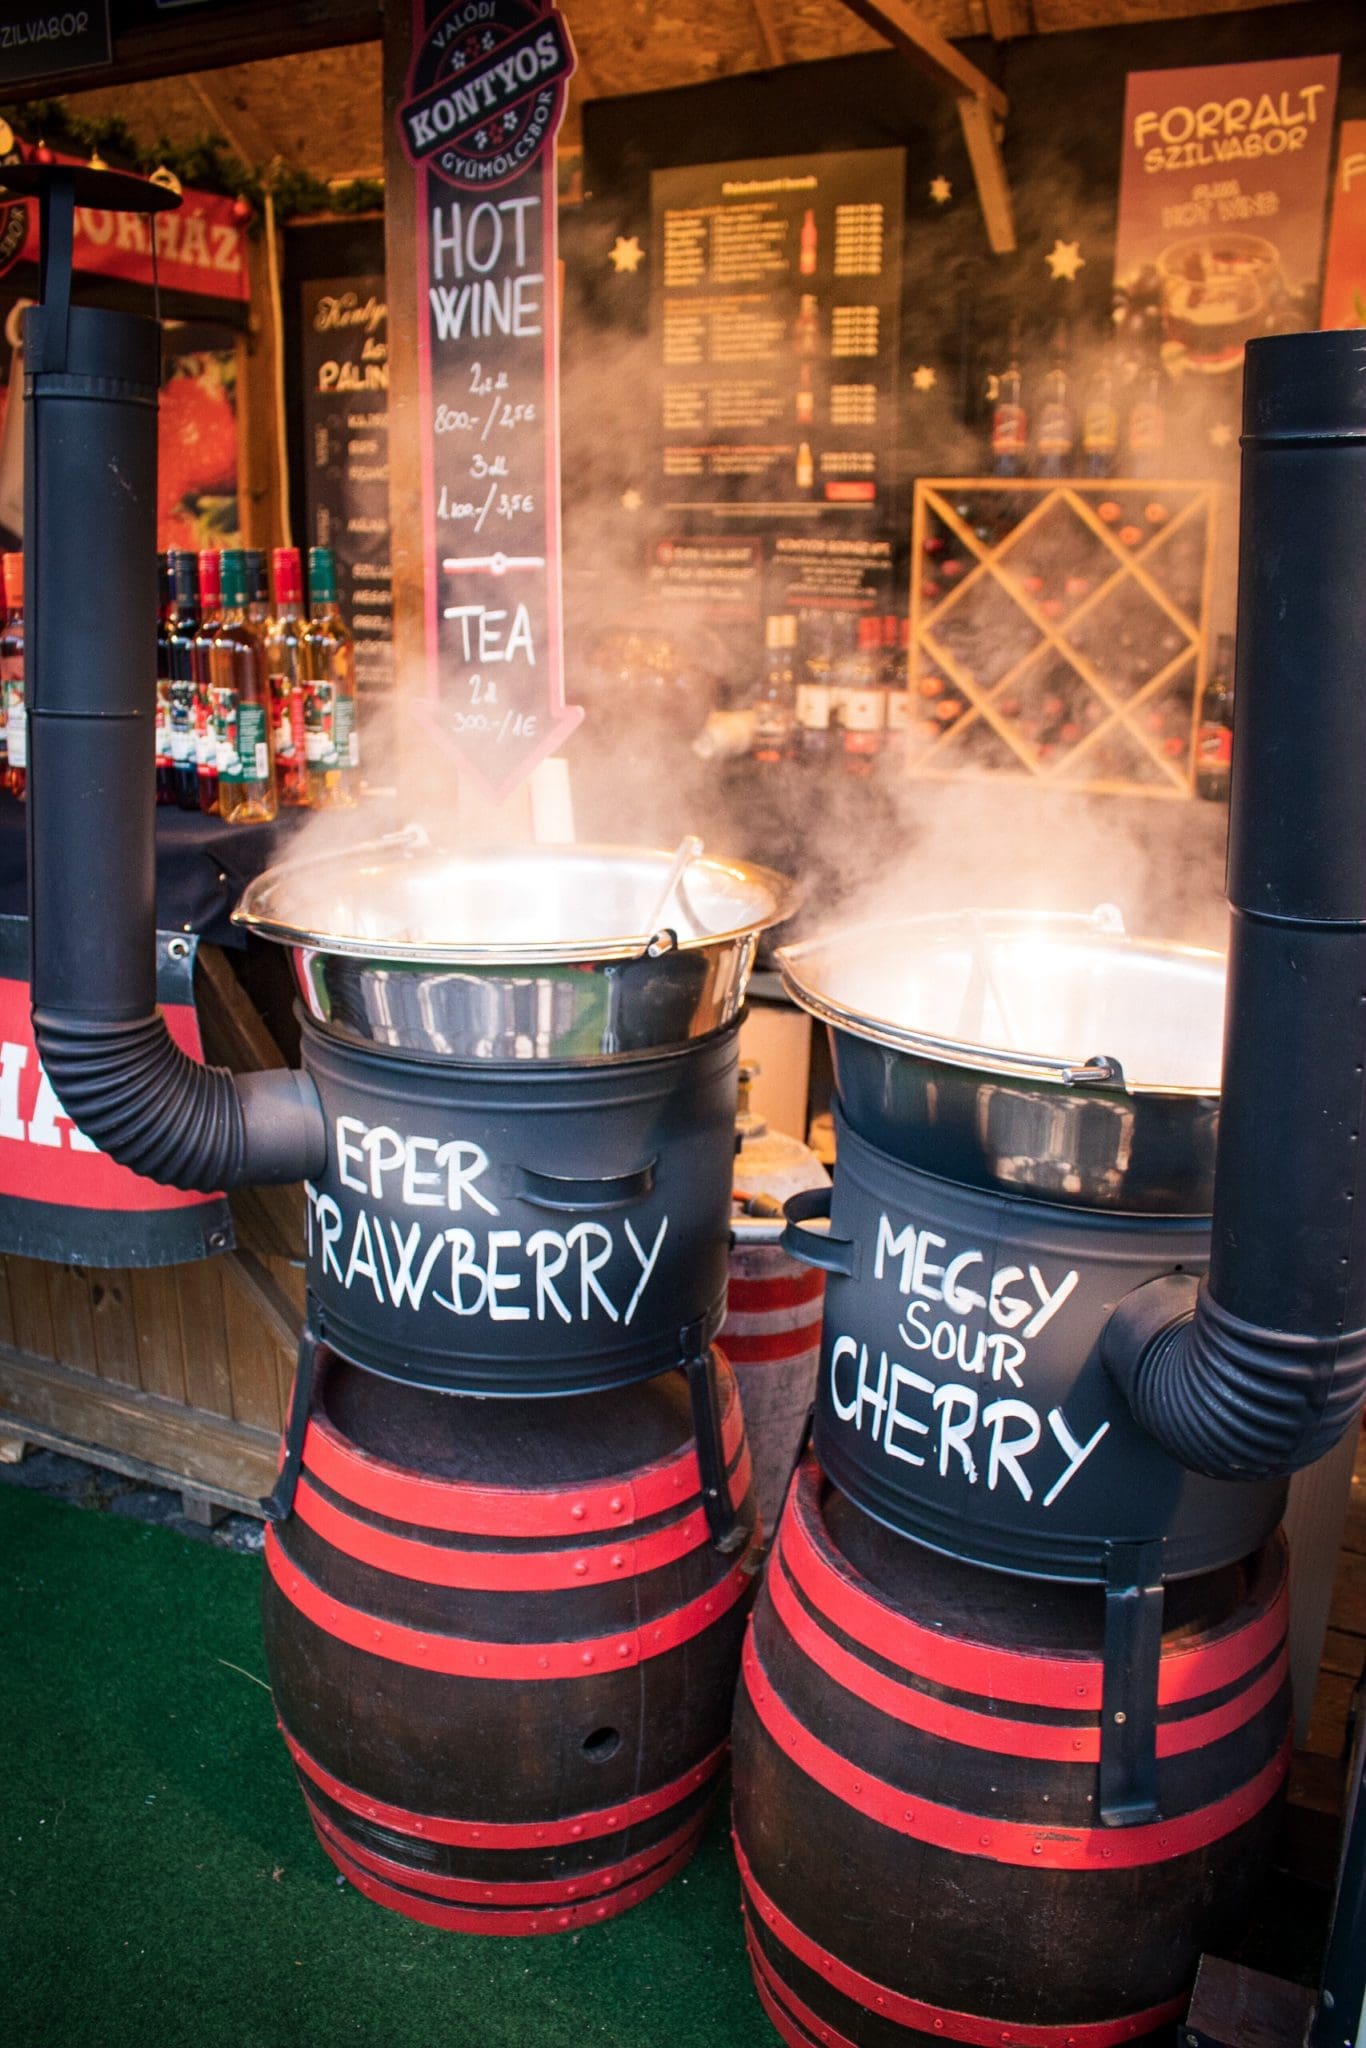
column 485, row 95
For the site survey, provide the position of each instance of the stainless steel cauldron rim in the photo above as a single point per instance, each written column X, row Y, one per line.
column 254, row 912
column 1102, row 929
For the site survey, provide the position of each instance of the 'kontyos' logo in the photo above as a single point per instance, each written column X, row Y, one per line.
column 486, row 91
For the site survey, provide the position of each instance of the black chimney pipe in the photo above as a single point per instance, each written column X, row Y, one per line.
column 1262, row 1368
column 91, row 385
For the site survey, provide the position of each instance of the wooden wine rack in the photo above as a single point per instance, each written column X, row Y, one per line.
column 1071, row 645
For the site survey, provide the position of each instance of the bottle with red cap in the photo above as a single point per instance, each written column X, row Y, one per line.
column 12, row 677
column 863, row 701
column 183, row 687
column 284, row 658
column 165, row 793
column 210, row 620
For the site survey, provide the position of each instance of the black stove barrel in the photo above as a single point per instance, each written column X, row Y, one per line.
column 1259, row 1370
column 91, row 383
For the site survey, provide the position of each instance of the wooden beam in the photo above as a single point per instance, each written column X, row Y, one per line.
column 167, row 47
column 134, row 1432
column 1003, row 19
column 768, row 31
column 239, row 127
column 981, row 133
column 898, row 23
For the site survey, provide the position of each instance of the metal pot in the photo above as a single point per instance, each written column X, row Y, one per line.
column 1032, row 1053
column 575, row 953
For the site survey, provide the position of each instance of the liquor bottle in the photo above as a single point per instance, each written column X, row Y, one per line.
column 817, row 738
column 806, row 397
column 206, row 737
column 806, row 467
column 12, row 677
column 1010, row 421
column 284, row 663
column 258, row 590
column 863, row 701
column 162, row 683
column 897, row 714
column 1056, row 435
column 182, row 680
column 806, row 260
column 241, row 709
column 1145, row 436
column 806, row 328
column 775, row 709
column 328, row 661
column 1214, row 745
column 1100, row 421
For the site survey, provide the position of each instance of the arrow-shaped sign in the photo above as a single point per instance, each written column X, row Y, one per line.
column 486, row 93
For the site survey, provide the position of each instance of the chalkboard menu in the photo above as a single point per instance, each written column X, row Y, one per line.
column 343, row 340
column 485, row 95
column 777, row 286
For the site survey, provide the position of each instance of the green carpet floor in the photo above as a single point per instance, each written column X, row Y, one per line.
column 159, row 1883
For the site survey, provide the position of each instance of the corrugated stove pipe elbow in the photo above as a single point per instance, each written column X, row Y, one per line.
column 91, row 384
column 1259, row 1370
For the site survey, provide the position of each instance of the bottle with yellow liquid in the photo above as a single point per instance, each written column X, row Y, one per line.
column 327, row 670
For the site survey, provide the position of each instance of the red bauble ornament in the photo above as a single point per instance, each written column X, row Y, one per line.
column 43, row 155
column 241, row 210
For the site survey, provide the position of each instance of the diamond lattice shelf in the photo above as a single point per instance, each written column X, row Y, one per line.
column 1059, row 630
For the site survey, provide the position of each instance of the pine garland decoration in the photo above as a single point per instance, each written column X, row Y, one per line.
column 206, row 163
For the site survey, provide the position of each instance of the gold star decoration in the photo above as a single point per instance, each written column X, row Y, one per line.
column 631, row 500
column 1064, row 260
column 924, row 377
column 1220, row 435
column 941, row 191
column 626, row 253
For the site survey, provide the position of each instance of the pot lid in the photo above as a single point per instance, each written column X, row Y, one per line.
column 1039, row 995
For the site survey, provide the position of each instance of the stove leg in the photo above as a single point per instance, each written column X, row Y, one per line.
column 728, row 1532
column 280, row 1500
column 1133, row 1652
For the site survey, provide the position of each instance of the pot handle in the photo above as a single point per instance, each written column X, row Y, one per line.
column 816, row 1248
column 580, row 1196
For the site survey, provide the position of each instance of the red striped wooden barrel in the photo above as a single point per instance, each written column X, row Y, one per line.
column 772, row 1337
column 503, row 1647
column 915, row 1768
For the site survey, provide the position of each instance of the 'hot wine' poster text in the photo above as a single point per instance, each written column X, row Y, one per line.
column 486, row 94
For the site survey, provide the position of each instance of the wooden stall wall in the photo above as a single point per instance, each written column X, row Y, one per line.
column 179, row 1374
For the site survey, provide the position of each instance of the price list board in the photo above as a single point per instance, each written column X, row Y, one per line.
column 775, row 312
column 344, row 338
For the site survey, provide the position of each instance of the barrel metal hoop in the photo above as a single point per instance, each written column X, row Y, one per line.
column 469, row 1657
column 468, row 1510
column 493, row 1891
column 971, row 2028
column 527, row 1920
column 1077, row 1743
column 1034, row 1846
column 1024, row 1677
column 587, row 1826
column 509, row 1571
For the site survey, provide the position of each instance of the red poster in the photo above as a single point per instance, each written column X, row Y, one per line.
column 1223, row 178
column 1344, row 272
column 201, row 247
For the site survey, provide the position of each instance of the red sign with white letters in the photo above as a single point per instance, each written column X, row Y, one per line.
column 62, row 1198
column 200, row 245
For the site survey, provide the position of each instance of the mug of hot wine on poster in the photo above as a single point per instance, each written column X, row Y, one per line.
column 1225, row 169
